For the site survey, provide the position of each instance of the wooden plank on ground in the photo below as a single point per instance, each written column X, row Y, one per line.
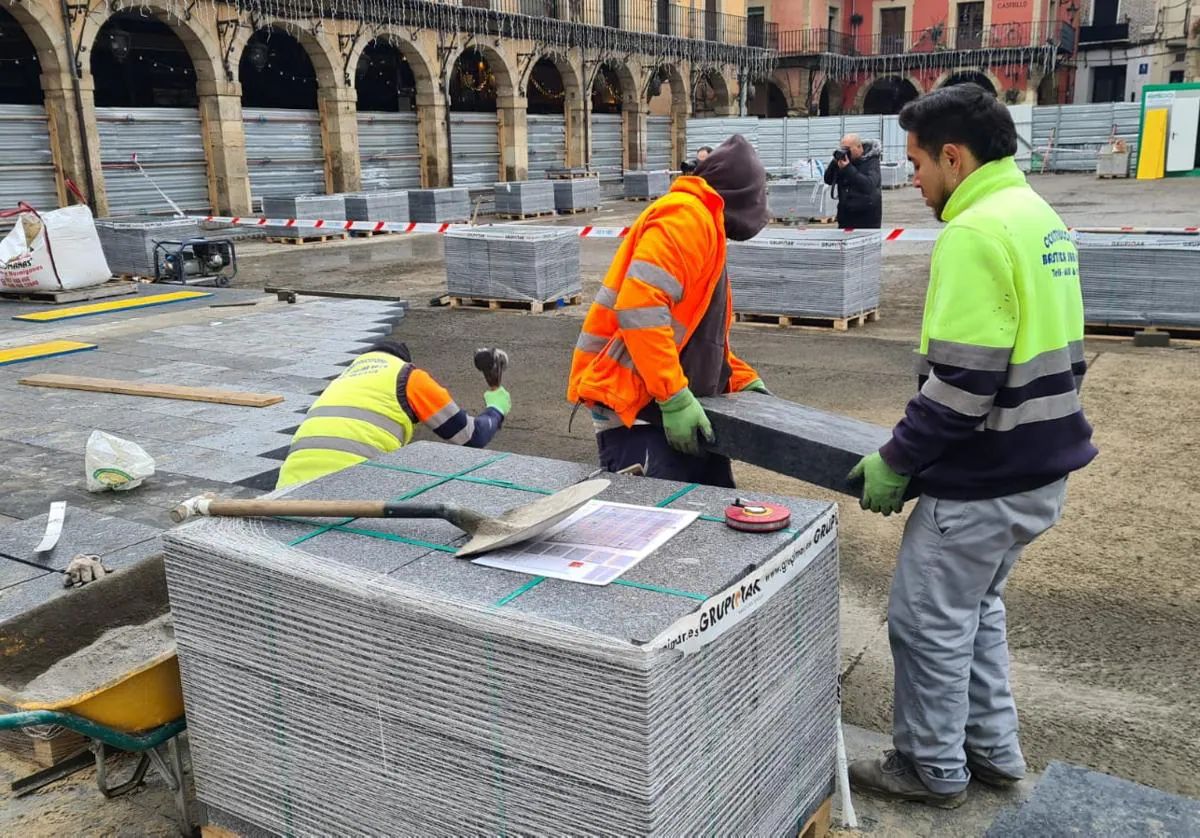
column 152, row 390
column 39, row 351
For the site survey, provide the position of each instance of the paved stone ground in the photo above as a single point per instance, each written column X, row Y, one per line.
column 1104, row 611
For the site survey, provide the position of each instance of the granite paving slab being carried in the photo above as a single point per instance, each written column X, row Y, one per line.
column 788, row 438
column 1071, row 801
column 696, row 694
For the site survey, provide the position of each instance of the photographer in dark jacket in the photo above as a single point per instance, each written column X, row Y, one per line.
column 854, row 174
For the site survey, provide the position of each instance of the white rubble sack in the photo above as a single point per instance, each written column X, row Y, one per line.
column 53, row 251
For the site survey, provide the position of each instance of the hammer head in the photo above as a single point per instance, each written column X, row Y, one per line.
column 491, row 362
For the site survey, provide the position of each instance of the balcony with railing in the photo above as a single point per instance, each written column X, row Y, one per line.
column 1104, row 33
column 648, row 17
column 1000, row 36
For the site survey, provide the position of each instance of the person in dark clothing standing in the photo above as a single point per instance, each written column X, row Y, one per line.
column 854, row 174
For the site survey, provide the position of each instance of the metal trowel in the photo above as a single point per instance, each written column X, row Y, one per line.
column 487, row 534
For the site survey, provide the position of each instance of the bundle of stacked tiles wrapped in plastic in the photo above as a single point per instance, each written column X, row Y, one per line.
column 439, row 206
column 893, row 175
column 377, row 206
column 308, row 207
column 513, row 263
column 576, row 194
column 647, row 184
column 525, row 197
column 365, row 681
column 800, row 200
column 810, row 274
column 1139, row 279
column 128, row 242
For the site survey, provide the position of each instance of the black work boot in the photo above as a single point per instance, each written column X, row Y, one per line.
column 986, row 771
column 894, row 778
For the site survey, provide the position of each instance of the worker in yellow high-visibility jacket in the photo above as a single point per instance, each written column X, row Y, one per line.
column 372, row 408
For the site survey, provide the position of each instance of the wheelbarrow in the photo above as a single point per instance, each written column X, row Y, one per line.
column 100, row 661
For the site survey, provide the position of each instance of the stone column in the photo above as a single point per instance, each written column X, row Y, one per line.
column 224, row 146
column 433, row 139
column 62, row 112
column 339, row 137
column 633, row 123
column 680, row 113
column 65, row 147
column 575, row 116
column 514, row 137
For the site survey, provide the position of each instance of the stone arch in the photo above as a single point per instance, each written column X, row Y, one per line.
column 568, row 78
column 200, row 43
column 382, row 78
column 984, row 78
column 831, row 100
column 327, row 64
column 420, row 64
column 1047, row 94
column 38, row 25
column 768, row 101
column 497, row 62
column 886, row 94
column 783, row 80
column 720, row 100
column 626, row 83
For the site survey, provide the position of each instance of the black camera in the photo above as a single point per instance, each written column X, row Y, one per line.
column 842, row 153
column 687, row 167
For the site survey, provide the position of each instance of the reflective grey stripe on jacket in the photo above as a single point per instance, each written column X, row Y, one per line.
column 360, row 414
column 334, row 443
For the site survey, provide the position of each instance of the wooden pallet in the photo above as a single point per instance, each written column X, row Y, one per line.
column 824, row 324
column 534, row 306
column 818, row 825
column 570, row 175
column 306, row 239
column 1128, row 330
column 115, row 288
column 366, row 234
column 1112, row 177
column 522, row 216
column 577, row 210
column 822, row 221
column 642, row 200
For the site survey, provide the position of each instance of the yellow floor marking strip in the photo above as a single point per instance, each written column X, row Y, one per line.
column 112, row 305
column 37, row 351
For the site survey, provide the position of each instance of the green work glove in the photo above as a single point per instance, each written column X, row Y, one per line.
column 682, row 417
column 883, row 489
column 756, row 386
column 499, row 399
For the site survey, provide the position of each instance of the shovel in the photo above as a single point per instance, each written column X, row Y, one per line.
column 487, row 534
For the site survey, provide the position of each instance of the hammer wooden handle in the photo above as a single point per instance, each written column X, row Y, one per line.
column 252, row 508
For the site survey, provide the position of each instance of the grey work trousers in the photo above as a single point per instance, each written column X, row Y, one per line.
column 947, row 631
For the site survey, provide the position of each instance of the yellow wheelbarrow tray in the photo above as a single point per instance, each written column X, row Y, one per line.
column 100, row 660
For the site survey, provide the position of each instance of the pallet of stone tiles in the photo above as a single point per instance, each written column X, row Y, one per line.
column 646, row 186
column 576, row 195
column 533, row 306
column 129, row 241
column 329, row 207
column 529, row 665
column 1101, row 328
column 324, row 237
column 112, row 288
column 823, row 324
column 523, row 199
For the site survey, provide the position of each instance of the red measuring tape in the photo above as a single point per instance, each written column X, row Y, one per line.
column 756, row 516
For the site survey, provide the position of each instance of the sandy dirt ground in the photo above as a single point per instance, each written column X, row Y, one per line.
column 1104, row 611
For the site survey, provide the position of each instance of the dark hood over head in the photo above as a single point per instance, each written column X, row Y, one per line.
column 734, row 171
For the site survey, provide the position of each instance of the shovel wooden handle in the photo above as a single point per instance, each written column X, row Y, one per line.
column 256, row 508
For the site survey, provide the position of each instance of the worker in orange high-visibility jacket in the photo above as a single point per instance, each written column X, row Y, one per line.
column 657, row 336
column 372, row 409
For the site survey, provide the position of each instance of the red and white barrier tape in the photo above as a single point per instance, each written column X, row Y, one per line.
column 893, row 234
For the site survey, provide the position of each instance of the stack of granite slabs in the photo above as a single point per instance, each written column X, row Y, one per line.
column 524, row 197
column 800, row 200
column 307, row 207
column 807, row 273
column 577, row 194
column 513, row 263
column 647, row 185
column 893, row 175
column 1139, row 279
column 378, row 206
column 448, row 698
column 439, row 206
column 128, row 243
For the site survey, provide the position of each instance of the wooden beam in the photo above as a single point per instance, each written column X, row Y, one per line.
column 152, row 390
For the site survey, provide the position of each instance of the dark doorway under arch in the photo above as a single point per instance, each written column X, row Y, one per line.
column 546, row 91
column 384, row 81
column 606, row 91
column 768, row 101
column 276, row 72
column 19, row 82
column 472, row 84
column 889, row 95
column 138, row 62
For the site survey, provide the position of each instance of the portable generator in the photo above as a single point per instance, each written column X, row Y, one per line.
column 195, row 262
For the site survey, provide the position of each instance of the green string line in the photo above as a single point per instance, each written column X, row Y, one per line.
column 465, row 478
column 324, row 528
column 646, row 586
column 677, row 495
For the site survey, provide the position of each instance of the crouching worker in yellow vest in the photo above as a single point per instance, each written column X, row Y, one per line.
column 371, row 409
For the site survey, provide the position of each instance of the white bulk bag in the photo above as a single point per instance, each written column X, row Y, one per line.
column 53, row 251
